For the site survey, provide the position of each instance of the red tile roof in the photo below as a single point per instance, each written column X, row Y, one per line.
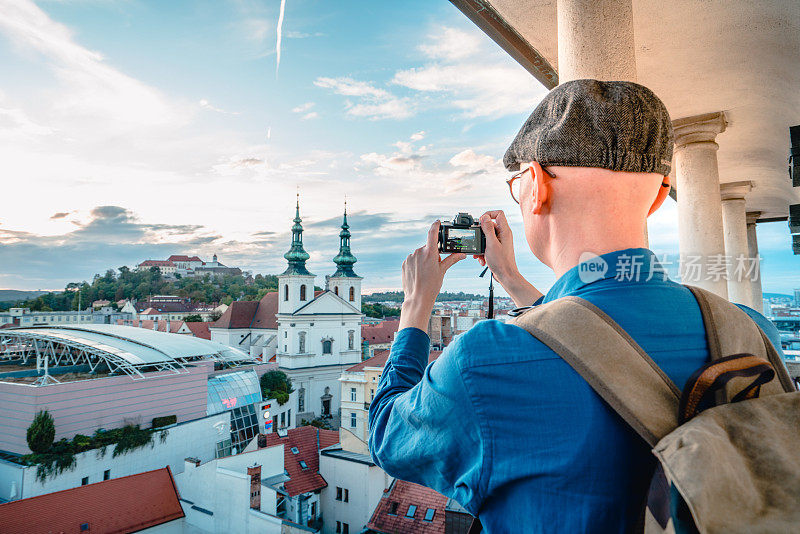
column 379, row 360
column 200, row 329
column 238, row 315
column 382, row 332
column 305, row 439
column 406, row 494
column 125, row 504
column 156, row 263
column 177, row 257
column 265, row 314
column 251, row 313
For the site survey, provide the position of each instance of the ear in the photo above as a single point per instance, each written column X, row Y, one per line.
column 663, row 191
column 541, row 187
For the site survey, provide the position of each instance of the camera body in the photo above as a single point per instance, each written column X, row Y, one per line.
column 463, row 235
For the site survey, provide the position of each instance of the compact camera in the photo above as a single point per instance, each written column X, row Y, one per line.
column 462, row 235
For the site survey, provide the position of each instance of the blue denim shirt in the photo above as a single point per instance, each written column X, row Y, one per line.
column 505, row 427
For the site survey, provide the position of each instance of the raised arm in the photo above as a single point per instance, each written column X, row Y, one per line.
column 423, row 426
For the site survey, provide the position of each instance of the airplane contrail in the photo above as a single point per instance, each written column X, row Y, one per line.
column 278, row 45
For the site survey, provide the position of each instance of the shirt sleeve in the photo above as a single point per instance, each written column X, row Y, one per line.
column 423, row 427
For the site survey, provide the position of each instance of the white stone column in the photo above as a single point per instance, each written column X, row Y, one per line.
column 752, row 246
column 699, row 205
column 595, row 40
column 734, row 224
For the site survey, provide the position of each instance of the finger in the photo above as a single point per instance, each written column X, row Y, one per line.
column 481, row 260
column 433, row 236
column 452, row 259
column 488, row 226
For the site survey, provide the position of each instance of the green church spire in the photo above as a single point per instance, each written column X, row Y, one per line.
column 344, row 260
column 297, row 256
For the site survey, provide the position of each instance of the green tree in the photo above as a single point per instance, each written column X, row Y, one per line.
column 41, row 433
column 193, row 319
column 276, row 385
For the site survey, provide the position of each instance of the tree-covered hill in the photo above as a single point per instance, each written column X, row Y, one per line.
column 127, row 284
column 397, row 296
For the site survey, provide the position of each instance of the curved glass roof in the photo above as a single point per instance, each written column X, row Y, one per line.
column 137, row 346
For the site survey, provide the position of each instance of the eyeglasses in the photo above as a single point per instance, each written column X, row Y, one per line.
column 514, row 183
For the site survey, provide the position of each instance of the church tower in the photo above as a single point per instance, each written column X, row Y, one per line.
column 295, row 284
column 345, row 282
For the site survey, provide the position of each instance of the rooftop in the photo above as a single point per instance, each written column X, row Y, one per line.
column 105, row 506
column 125, row 348
column 382, row 332
column 251, row 314
column 307, row 440
column 395, row 515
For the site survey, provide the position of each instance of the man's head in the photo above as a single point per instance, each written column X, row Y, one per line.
column 595, row 158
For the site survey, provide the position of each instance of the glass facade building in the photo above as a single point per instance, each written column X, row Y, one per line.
column 238, row 393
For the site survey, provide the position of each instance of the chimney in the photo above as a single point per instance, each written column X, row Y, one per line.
column 155, row 325
column 168, row 324
column 255, row 486
column 192, row 461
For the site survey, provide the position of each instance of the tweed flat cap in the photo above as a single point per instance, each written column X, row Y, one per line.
column 621, row 126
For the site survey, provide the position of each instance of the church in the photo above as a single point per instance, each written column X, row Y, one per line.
column 313, row 336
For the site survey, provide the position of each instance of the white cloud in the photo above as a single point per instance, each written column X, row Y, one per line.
column 205, row 104
column 303, row 107
column 451, row 44
column 471, row 162
column 374, row 103
column 309, row 116
column 418, row 136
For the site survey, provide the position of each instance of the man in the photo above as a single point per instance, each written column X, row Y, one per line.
column 499, row 422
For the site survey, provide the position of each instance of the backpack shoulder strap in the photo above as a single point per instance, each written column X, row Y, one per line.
column 613, row 364
column 731, row 331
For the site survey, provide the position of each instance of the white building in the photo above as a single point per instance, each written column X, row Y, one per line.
column 170, row 446
column 313, row 336
column 355, row 485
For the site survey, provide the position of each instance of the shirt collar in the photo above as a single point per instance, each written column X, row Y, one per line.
column 631, row 265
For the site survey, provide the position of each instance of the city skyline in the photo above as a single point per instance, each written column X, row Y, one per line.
column 133, row 131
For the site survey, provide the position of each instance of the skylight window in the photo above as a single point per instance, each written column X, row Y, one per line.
column 429, row 513
column 294, row 450
column 411, row 511
column 303, row 464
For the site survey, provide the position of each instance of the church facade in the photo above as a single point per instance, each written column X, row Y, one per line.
column 312, row 335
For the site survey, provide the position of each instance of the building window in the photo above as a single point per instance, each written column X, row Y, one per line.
column 345, row 528
column 283, row 418
column 392, row 508
column 84, row 481
column 371, row 394
column 338, row 493
column 352, row 294
column 106, row 474
column 313, row 510
column 336, row 290
column 289, row 417
column 286, row 292
column 303, row 464
column 352, row 419
column 353, row 394
column 303, row 292
column 351, row 339
column 346, row 495
column 429, row 513
column 411, row 511
column 301, row 337
column 327, row 346
column 301, row 400
column 338, row 527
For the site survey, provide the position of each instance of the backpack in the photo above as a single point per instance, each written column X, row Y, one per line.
column 728, row 445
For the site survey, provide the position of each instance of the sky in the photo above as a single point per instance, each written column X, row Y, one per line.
column 133, row 130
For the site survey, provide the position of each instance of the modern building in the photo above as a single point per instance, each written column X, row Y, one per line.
column 143, row 502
